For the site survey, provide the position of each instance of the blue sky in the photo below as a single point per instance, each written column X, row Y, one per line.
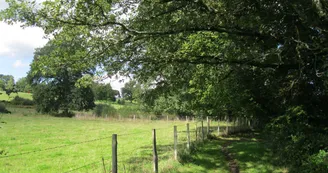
column 17, row 46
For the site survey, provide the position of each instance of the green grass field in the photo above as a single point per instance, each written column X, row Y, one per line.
column 30, row 142
column 49, row 144
column 4, row 96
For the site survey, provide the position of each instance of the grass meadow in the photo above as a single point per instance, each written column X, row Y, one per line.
column 49, row 144
column 40, row 143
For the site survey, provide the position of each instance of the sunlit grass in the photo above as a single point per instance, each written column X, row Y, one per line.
column 26, row 131
column 24, row 134
column 4, row 96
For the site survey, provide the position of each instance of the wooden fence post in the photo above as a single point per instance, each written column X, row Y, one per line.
column 114, row 153
column 188, row 137
column 237, row 123
column 155, row 156
column 196, row 132
column 203, row 135
column 227, row 127
column 208, row 126
column 175, row 143
column 134, row 117
column 218, row 127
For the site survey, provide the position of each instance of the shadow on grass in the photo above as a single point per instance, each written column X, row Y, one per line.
column 207, row 158
column 251, row 153
column 247, row 149
column 142, row 158
column 202, row 158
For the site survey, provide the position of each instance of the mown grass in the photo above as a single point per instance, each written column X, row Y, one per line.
column 4, row 96
column 29, row 141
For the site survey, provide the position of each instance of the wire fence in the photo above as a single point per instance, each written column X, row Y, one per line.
column 169, row 143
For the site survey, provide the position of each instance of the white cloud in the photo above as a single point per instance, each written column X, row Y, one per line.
column 19, row 64
column 117, row 82
column 17, row 42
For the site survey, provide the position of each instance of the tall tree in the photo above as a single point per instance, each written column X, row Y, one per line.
column 103, row 92
column 131, row 90
column 59, row 87
column 22, row 85
column 7, row 84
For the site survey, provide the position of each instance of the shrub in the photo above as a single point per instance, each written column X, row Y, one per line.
column 101, row 110
column 3, row 109
column 22, row 101
column 64, row 114
column 317, row 162
column 121, row 101
column 300, row 146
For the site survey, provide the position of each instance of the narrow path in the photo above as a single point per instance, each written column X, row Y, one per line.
column 233, row 165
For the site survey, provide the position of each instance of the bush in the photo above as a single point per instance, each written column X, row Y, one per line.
column 64, row 114
column 121, row 101
column 299, row 143
column 317, row 162
column 101, row 110
column 3, row 109
column 22, row 101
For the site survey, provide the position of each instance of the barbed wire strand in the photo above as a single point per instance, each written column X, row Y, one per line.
column 84, row 166
column 53, row 148
column 68, row 145
column 148, row 131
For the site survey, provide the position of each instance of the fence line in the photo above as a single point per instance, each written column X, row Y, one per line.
column 53, row 148
column 77, row 143
column 184, row 136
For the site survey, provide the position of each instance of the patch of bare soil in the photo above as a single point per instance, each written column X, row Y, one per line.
column 233, row 165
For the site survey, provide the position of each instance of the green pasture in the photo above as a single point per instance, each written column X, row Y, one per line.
column 30, row 142
column 34, row 143
column 4, row 96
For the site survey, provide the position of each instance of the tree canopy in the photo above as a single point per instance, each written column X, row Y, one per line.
column 131, row 91
column 22, row 85
column 7, row 84
column 104, row 92
column 56, row 84
column 261, row 59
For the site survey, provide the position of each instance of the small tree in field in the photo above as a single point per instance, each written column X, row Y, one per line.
column 7, row 84
column 58, row 90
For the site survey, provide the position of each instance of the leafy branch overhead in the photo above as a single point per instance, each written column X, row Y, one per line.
column 122, row 30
